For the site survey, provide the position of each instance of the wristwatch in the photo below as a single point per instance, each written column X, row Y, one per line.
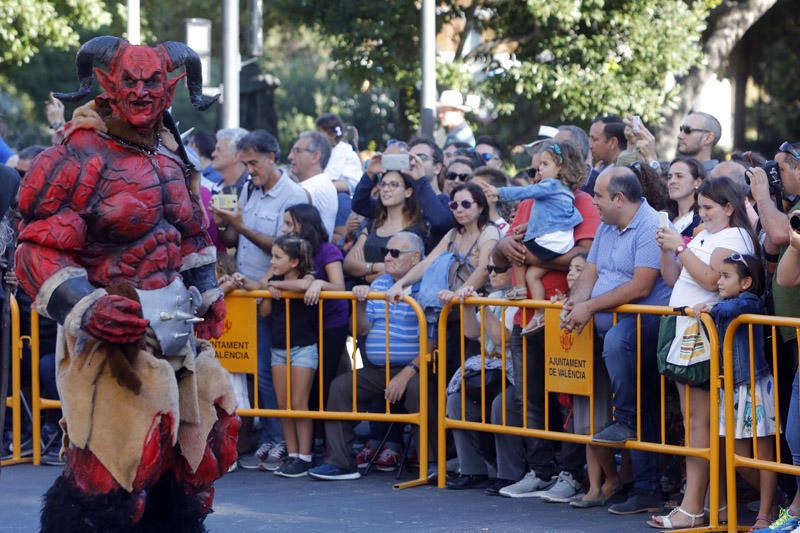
column 415, row 367
column 680, row 249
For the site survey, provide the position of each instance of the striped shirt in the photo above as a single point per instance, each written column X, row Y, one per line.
column 403, row 327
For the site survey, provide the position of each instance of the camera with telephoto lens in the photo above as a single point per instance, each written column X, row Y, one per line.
column 794, row 222
column 773, row 177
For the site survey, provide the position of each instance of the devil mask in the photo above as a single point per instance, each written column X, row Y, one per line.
column 136, row 83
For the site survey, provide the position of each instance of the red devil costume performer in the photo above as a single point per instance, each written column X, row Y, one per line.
column 112, row 245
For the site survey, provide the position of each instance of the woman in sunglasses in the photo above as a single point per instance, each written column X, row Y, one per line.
column 397, row 211
column 471, row 243
column 458, row 171
column 693, row 271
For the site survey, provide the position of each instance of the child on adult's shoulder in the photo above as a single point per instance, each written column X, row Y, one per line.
column 549, row 233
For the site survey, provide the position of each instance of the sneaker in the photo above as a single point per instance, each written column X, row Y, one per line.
column 52, row 456
column 616, row 433
column 563, row 490
column 293, row 467
column 638, row 502
column 786, row 522
column 365, row 456
column 252, row 460
column 525, row 487
column 497, row 485
column 388, row 460
column 329, row 472
column 274, row 458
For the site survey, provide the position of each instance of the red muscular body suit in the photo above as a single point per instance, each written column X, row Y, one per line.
column 111, row 207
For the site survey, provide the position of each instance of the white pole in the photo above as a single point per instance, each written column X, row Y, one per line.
column 428, row 49
column 230, row 64
column 134, row 23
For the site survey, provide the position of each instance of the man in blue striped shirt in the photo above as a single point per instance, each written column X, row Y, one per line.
column 403, row 251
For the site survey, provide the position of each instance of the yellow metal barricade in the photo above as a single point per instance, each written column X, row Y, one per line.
column 710, row 453
column 420, row 419
column 732, row 459
column 15, row 400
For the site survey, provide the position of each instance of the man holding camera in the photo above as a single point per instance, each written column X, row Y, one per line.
column 769, row 190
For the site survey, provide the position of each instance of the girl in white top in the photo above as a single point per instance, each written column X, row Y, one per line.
column 344, row 166
column 694, row 271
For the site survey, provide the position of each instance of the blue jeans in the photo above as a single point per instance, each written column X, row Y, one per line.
column 271, row 429
column 793, row 426
column 619, row 355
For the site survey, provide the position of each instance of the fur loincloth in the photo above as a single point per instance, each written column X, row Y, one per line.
column 113, row 422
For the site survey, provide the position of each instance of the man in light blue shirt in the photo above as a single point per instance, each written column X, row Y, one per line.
column 254, row 226
column 623, row 267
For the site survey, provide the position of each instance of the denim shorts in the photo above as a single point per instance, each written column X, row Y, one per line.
column 305, row 356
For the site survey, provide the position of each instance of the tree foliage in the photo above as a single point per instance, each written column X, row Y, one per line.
column 572, row 58
column 28, row 25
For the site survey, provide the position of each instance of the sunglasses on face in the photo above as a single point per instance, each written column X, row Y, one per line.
column 688, row 130
column 486, row 156
column 400, row 144
column 466, row 204
column 455, row 176
column 787, row 148
column 494, row 269
column 394, row 252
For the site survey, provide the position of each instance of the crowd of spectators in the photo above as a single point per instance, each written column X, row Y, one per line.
column 597, row 221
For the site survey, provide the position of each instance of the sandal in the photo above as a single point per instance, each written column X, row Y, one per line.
column 534, row 326
column 665, row 521
column 765, row 522
column 517, row 293
column 722, row 515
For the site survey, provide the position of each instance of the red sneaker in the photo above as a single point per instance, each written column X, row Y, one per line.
column 388, row 460
column 364, row 456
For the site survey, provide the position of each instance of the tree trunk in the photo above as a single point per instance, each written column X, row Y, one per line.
column 726, row 26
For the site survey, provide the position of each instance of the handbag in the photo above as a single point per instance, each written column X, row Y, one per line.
column 684, row 353
column 493, row 381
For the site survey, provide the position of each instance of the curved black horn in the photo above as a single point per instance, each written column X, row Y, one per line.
column 97, row 51
column 181, row 55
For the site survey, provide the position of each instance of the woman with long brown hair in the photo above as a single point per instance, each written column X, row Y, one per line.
column 397, row 211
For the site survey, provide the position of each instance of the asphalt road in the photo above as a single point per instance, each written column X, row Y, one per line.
column 257, row 501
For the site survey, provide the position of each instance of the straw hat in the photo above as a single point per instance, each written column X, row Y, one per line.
column 453, row 99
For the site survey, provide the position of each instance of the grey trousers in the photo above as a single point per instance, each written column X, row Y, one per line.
column 370, row 384
column 468, row 443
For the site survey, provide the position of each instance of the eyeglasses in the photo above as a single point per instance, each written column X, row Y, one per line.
column 494, row 269
column 486, row 156
column 466, row 204
column 389, row 185
column 394, row 252
column 296, row 149
column 460, row 177
column 787, row 148
column 739, row 258
column 688, row 130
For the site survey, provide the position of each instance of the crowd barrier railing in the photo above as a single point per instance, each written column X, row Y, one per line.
column 552, row 328
column 732, row 459
column 419, row 419
column 15, row 400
